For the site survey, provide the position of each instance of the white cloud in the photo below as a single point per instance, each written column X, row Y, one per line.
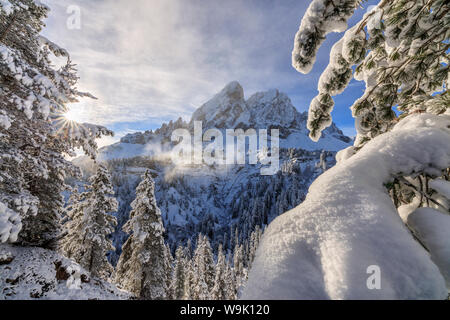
column 149, row 59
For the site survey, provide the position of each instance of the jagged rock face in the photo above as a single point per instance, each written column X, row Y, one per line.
column 224, row 110
column 272, row 107
column 136, row 138
column 229, row 110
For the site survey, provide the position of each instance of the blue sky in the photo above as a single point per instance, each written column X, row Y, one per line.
column 152, row 61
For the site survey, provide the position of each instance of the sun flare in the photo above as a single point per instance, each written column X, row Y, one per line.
column 72, row 115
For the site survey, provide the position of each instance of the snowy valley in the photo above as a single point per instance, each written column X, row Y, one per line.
column 216, row 200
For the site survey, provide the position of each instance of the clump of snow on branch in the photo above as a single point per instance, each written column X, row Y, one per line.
column 9, row 7
column 321, row 18
column 53, row 47
column 10, row 224
column 6, row 6
column 5, row 121
column 433, row 228
column 348, row 222
column 441, row 186
column 400, row 51
column 74, row 281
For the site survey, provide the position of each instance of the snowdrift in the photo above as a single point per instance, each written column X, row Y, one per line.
column 323, row 248
column 36, row 273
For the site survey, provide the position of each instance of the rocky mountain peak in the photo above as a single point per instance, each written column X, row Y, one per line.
column 272, row 108
column 224, row 109
column 228, row 109
column 233, row 91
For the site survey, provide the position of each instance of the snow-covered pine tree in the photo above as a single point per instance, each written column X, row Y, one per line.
column 230, row 278
column 219, row 291
column 254, row 242
column 225, row 242
column 204, row 272
column 169, row 268
column 72, row 221
column 189, row 281
column 33, row 133
column 238, row 266
column 210, row 271
column 142, row 265
column 190, row 275
column 400, row 50
column 236, row 237
column 91, row 224
column 199, row 289
column 188, row 249
column 179, row 275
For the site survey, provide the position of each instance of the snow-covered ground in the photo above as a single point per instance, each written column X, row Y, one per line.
column 327, row 247
column 36, row 273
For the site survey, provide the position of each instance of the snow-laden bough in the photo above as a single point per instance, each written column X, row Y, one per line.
column 324, row 248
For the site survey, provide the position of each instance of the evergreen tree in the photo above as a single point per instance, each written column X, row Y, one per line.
column 90, row 225
column 238, row 266
column 34, row 136
column 142, row 265
column 230, row 279
column 188, row 250
column 189, row 281
column 400, row 49
column 199, row 278
column 168, row 263
column 204, row 273
column 180, row 274
column 225, row 242
column 219, row 291
column 209, row 265
column 254, row 242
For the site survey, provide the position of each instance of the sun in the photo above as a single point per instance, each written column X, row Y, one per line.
column 69, row 121
column 72, row 115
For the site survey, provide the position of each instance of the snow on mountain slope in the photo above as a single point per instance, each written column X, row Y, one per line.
column 216, row 199
column 225, row 110
column 326, row 247
column 298, row 139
